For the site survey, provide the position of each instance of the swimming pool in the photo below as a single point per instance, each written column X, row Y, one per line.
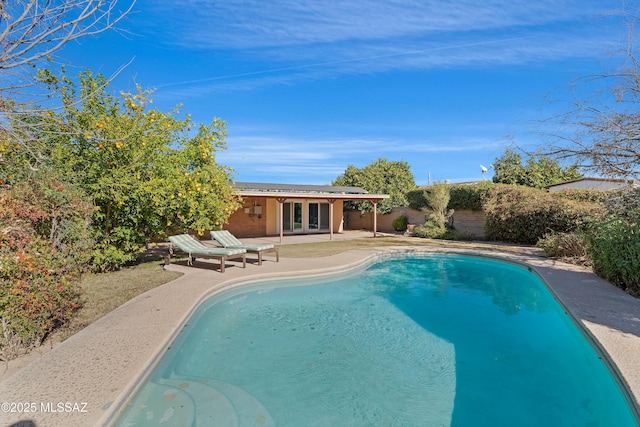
column 411, row 340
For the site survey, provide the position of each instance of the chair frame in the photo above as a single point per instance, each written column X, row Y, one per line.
column 249, row 248
column 222, row 258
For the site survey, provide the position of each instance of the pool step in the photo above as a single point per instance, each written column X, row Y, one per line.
column 160, row 405
column 216, row 402
column 249, row 410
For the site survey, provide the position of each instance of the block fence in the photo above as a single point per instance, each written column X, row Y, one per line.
column 466, row 221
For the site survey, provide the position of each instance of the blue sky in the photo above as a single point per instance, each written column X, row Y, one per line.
column 309, row 87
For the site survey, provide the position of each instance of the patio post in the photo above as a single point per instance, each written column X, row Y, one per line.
column 375, row 217
column 331, row 202
column 281, row 213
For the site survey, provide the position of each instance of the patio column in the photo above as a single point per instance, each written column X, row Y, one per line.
column 281, row 213
column 331, row 202
column 375, row 215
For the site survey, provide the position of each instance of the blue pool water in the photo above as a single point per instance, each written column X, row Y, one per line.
column 426, row 340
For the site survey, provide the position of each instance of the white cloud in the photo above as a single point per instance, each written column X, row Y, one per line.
column 250, row 24
column 320, row 160
column 428, row 37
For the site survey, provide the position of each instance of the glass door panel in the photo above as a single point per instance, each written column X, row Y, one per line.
column 297, row 217
column 324, row 216
column 286, row 216
column 313, row 216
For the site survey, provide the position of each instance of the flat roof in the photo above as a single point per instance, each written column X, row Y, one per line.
column 300, row 191
column 297, row 188
column 594, row 179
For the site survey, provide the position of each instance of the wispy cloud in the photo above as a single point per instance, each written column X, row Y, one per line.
column 322, row 160
column 283, row 41
column 249, row 24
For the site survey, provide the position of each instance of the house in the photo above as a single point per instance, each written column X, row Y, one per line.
column 593, row 184
column 279, row 209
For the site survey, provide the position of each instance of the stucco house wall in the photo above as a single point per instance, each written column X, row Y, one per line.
column 258, row 217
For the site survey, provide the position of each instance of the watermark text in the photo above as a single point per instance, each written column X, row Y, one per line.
column 48, row 407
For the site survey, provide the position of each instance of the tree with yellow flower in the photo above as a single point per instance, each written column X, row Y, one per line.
column 144, row 170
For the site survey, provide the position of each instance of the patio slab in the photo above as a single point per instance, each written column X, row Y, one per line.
column 92, row 373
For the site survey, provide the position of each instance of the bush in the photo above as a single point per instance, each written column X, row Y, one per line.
column 525, row 215
column 469, row 196
column 462, row 196
column 36, row 296
column 44, row 247
column 416, row 199
column 564, row 245
column 453, row 234
column 615, row 250
column 614, row 243
column 430, row 230
column 400, row 223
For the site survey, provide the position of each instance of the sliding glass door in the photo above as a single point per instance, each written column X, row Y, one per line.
column 292, row 217
column 305, row 217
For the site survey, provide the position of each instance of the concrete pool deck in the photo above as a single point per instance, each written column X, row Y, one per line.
column 92, row 373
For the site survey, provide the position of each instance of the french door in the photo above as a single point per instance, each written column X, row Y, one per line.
column 305, row 217
column 318, row 218
column 292, row 217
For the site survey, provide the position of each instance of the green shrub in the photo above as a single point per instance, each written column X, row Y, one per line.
column 461, row 196
column 430, row 230
column 400, row 223
column 416, row 199
column 469, row 196
column 564, row 245
column 615, row 251
column 44, row 247
column 453, row 234
column 524, row 215
column 584, row 195
column 614, row 242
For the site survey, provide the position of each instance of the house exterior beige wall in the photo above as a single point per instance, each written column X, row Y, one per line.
column 247, row 222
column 272, row 213
column 467, row 221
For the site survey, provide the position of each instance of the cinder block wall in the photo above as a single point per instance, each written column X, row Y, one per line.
column 242, row 224
column 467, row 221
column 470, row 222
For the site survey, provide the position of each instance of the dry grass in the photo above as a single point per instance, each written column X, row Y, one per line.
column 103, row 293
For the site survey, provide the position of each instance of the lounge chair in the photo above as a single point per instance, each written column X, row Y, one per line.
column 192, row 246
column 229, row 241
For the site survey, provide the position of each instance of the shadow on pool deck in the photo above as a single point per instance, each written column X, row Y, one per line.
column 103, row 362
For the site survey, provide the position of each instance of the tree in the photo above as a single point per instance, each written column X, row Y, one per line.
column 599, row 129
column 379, row 177
column 538, row 172
column 437, row 197
column 32, row 30
column 144, row 171
column 31, row 33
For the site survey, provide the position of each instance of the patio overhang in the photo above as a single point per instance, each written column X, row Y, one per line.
column 284, row 192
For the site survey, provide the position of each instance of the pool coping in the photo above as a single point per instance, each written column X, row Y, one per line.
column 118, row 350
